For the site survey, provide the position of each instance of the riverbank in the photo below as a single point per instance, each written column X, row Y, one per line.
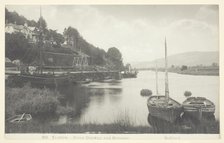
column 34, row 127
column 207, row 71
column 37, row 102
column 116, row 128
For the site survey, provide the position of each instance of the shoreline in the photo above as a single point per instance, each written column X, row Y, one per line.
column 187, row 72
column 115, row 128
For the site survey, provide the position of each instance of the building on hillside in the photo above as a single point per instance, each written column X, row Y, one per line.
column 9, row 65
column 31, row 33
column 81, row 59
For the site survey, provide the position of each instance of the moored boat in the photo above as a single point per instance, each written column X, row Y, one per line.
column 20, row 118
column 198, row 107
column 40, row 79
column 162, row 106
column 159, row 107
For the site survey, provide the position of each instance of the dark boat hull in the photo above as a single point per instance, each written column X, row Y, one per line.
column 167, row 113
column 198, row 108
column 43, row 80
column 198, row 116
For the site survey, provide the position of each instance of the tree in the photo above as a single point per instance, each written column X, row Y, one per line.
column 114, row 53
column 41, row 23
column 187, row 94
column 14, row 17
column 183, row 68
column 18, row 47
column 116, row 58
column 53, row 36
column 214, row 64
column 72, row 36
column 32, row 23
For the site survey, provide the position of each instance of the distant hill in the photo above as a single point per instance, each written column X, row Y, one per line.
column 188, row 58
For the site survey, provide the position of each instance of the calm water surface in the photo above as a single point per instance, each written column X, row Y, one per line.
column 112, row 101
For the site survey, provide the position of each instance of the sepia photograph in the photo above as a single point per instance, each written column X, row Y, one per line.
column 112, row 69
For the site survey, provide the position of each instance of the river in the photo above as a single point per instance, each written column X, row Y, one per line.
column 117, row 100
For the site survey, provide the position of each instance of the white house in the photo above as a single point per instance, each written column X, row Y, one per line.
column 29, row 32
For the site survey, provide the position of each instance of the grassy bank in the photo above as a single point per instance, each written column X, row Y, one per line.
column 197, row 72
column 122, row 125
column 35, row 127
column 208, row 71
column 34, row 101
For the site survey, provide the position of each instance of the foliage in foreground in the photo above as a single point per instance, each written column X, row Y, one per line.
column 36, row 102
column 122, row 124
column 116, row 127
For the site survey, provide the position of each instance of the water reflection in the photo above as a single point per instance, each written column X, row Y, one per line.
column 81, row 97
column 162, row 126
column 185, row 124
column 104, row 102
column 76, row 97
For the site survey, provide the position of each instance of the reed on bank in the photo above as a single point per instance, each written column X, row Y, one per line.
column 34, row 101
column 116, row 128
column 121, row 125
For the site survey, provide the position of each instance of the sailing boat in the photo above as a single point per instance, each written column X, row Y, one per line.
column 41, row 77
column 164, row 107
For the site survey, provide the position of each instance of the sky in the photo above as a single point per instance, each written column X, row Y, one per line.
column 138, row 31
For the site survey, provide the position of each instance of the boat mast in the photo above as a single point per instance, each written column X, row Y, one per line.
column 157, row 92
column 166, row 74
column 41, row 42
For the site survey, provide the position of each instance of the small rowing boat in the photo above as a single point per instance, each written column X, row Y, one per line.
column 198, row 107
column 20, row 118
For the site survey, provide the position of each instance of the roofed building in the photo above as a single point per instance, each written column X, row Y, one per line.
column 29, row 32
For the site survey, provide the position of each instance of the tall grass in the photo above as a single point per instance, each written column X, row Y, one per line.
column 37, row 102
column 121, row 125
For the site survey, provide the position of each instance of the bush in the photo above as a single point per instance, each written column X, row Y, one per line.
column 61, row 110
column 183, row 68
column 30, row 100
column 146, row 92
column 38, row 105
column 187, row 93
